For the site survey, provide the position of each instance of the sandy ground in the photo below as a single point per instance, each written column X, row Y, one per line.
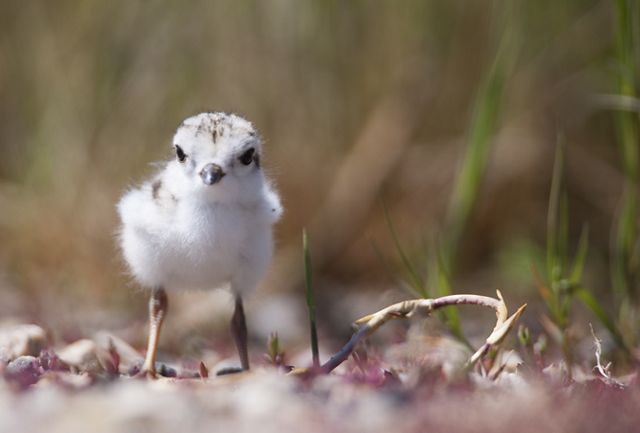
column 268, row 401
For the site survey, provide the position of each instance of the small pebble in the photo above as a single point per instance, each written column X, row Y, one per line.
column 23, row 371
column 21, row 340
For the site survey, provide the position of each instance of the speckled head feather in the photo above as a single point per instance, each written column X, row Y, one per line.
column 219, row 156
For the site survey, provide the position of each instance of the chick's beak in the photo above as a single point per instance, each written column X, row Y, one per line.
column 211, row 173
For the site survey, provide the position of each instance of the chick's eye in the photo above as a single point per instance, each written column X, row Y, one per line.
column 247, row 157
column 180, row 154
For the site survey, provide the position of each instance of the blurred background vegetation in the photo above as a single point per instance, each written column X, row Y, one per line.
column 411, row 138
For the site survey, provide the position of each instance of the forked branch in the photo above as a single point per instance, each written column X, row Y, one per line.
column 406, row 309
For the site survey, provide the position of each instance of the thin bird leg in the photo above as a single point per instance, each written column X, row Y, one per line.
column 239, row 333
column 158, row 305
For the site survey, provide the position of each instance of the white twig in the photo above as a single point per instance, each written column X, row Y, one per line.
column 604, row 370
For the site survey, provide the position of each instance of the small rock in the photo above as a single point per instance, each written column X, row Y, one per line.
column 21, row 340
column 23, row 371
column 80, row 354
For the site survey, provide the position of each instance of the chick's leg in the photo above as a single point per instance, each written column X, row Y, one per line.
column 158, row 305
column 239, row 333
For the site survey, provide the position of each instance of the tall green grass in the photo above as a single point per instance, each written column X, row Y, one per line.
column 482, row 129
column 483, row 126
column 564, row 277
column 558, row 292
column 625, row 269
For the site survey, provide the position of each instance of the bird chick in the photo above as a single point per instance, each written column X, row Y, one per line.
column 203, row 222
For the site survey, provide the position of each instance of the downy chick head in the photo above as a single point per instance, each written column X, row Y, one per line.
column 217, row 157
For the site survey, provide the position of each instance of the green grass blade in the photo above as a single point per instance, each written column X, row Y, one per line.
column 563, row 233
column 400, row 281
column 415, row 280
column 553, row 214
column 581, row 255
column 482, row 128
column 311, row 301
column 450, row 315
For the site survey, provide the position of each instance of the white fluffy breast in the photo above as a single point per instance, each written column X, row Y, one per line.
column 180, row 232
column 189, row 244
